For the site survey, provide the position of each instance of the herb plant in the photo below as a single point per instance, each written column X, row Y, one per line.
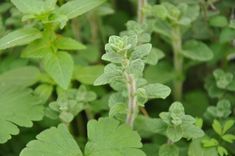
column 117, row 78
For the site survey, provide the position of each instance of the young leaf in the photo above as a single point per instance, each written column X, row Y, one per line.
column 228, row 124
column 60, row 67
column 197, row 50
column 53, row 142
column 107, row 137
column 19, row 37
column 174, row 133
column 229, row 138
column 222, row 151
column 65, row 43
column 169, row 150
column 217, row 127
column 18, row 107
column 157, row 90
column 76, row 8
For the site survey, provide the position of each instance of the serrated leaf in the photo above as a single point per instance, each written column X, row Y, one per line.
column 20, row 77
column 157, row 90
column 169, row 150
column 75, row 8
column 53, row 142
column 60, row 67
column 19, row 37
column 197, row 50
column 107, row 137
column 88, row 74
column 65, row 43
column 18, row 108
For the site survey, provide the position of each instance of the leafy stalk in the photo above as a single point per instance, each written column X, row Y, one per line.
column 178, row 62
column 132, row 100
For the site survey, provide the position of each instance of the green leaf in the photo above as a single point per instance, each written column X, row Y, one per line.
column 228, row 124
column 229, row 138
column 60, row 67
column 136, row 67
column 222, row 151
column 160, row 11
column 18, row 107
column 218, row 21
column 88, row 74
column 223, row 79
column 19, row 37
column 53, row 142
column 29, row 6
column 191, row 131
column 196, row 149
column 174, row 133
column 111, row 72
column 197, row 50
column 157, row 90
column 20, row 77
column 169, row 150
column 141, row 51
column 76, row 8
column 154, row 56
column 210, row 142
column 44, row 91
column 217, row 127
column 227, row 35
column 107, row 137
column 65, row 43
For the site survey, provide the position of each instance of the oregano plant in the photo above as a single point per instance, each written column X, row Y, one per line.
column 117, row 78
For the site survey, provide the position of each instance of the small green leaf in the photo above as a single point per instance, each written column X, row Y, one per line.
column 44, row 91
column 76, row 8
column 223, row 79
column 136, row 67
column 229, row 138
column 217, row 127
column 53, row 142
column 228, row 124
column 218, row 21
column 160, row 11
column 222, row 151
column 60, row 67
column 210, row 142
column 19, row 37
column 157, row 90
column 227, row 35
column 141, row 51
column 111, row 72
column 169, row 150
column 174, row 133
column 65, row 43
column 197, row 50
column 113, row 139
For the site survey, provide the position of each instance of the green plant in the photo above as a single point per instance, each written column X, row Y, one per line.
column 95, row 77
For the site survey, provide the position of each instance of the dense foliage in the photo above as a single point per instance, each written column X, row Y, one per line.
column 117, row 78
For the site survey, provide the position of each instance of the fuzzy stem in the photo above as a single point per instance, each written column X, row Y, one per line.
column 178, row 62
column 141, row 17
column 132, row 100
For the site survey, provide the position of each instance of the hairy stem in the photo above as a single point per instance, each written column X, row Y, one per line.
column 141, row 17
column 178, row 62
column 132, row 100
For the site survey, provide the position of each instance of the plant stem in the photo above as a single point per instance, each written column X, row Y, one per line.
column 132, row 100
column 178, row 62
column 141, row 17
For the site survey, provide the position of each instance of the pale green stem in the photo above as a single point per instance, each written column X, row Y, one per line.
column 178, row 62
